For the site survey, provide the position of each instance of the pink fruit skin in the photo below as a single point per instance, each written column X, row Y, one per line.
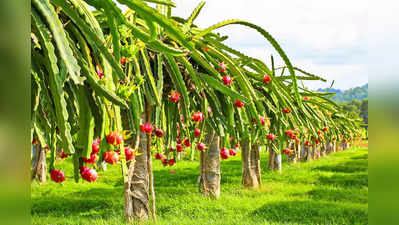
column 174, row 96
column 289, row 133
column 164, row 162
column 100, row 75
column 158, row 156
column 287, row 111
column 111, row 157
column 119, row 139
column 90, row 160
column 179, row 148
column 159, row 133
column 238, row 104
column 287, row 151
column 262, row 120
column 224, row 153
column 57, row 176
column 146, row 128
column 123, row 60
column 95, row 147
column 89, row 174
column 267, row 79
column 111, row 137
column 197, row 117
column 271, row 137
column 224, row 156
column 129, row 154
column 222, row 67
column 201, row 146
column 227, row 80
column 114, row 138
column 171, row 162
column 187, row 142
column 209, row 110
column 197, row 132
column 63, row 155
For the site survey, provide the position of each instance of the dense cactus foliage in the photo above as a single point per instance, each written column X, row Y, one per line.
column 105, row 80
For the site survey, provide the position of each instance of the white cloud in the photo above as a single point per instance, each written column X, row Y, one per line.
column 345, row 40
column 344, row 76
column 325, row 37
column 319, row 24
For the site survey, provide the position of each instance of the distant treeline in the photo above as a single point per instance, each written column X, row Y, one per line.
column 358, row 107
column 357, row 93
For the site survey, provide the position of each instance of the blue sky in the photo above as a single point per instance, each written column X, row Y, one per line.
column 343, row 40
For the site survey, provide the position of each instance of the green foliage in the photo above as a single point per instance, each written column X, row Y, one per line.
column 55, row 25
column 93, row 67
column 147, row 40
column 358, row 108
column 56, row 82
column 332, row 190
column 356, row 93
column 269, row 38
column 364, row 110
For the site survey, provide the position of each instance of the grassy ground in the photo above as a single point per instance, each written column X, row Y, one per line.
column 332, row 190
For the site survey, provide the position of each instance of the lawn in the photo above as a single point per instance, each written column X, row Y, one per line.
column 331, row 190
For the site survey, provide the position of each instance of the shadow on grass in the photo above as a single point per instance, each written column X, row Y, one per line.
column 231, row 172
column 345, row 180
column 233, row 168
column 337, row 195
column 310, row 212
column 184, row 180
column 365, row 156
column 93, row 203
column 187, row 176
column 358, row 164
column 164, row 178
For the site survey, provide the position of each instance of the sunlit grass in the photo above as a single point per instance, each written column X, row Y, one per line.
column 332, row 190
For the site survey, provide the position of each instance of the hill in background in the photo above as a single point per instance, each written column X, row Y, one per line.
column 356, row 93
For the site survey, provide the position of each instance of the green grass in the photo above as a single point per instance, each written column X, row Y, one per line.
column 331, row 190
